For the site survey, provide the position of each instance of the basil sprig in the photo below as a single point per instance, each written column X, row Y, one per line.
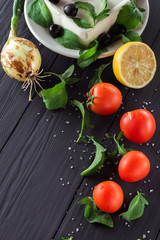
column 57, row 97
column 130, row 15
column 90, row 11
column 39, row 13
column 136, row 208
column 94, row 215
column 97, row 75
column 98, row 159
column 90, row 55
column 104, row 12
column 85, row 119
column 67, row 238
column 120, row 149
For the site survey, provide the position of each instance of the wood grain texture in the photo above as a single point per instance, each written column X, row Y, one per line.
column 40, row 161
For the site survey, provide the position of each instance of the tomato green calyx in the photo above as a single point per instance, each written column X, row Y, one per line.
column 90, row 100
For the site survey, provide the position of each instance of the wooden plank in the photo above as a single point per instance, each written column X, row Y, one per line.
column 148, row 226
column 30, row 177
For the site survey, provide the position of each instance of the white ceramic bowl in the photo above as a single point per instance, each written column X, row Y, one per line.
column 44, row 37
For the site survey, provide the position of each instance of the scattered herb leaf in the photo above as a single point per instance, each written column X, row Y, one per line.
column 55, row 97
column 98, row 159
column 120, row 149
column 85, row 118
column 97, row 75
column 130, row 16
column 66, row 76
column 39, row 13
column 67, row 238
column 89, row 56
column 136, row 208
column 93, row 214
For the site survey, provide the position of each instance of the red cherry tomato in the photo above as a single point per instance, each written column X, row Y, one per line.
column 133, row 166
column 108, row 196
column 138, row 126
column 107, row 98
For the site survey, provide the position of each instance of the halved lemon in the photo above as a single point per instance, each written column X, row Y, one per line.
column 134, row 64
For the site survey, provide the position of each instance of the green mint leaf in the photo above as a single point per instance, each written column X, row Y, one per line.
column 131, row 36
column 102, row 16
column 67, row 238
column 67, row 73
column 94, row 215
column 70, row 40
column 120, row 149
column 71, row 81
column 88, row 7
column 81, row 22
column 104, row 4
column 104, row 12
column 97, row 75
column 130, row 16
column 98, row 159
column 85, row 118
column 136, row 208
column 55, row 97
column 66, row 76
column 89, row 56
column 87, row 62
column 39, row 13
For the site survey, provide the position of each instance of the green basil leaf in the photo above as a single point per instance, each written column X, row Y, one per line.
column 67, row 73
column 67, row 238
column 88, row 7
column 97, row 75
column 94, row 215
column 70, row 40
column 71, row 81
column 55, row 97
column 98, row 159
column 87, row 62
column 101, row 16
column 85, row 118
column 130, row 16
column 136, row 208
column 81, row 22
column 39, row 13
column 104, row 12
column 66, row 76
column 89, row 56
column 120, row 149
column 104, row 4
column 131, row 36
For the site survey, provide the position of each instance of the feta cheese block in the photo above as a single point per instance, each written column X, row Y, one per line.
column 86, row 35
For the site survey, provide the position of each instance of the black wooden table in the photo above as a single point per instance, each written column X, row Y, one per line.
column 40, row 161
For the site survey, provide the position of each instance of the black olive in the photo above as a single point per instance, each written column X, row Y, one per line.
column 54, row 1
column 104, row 39
column 117, row 29
column 56, row 30
column 70, row 10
